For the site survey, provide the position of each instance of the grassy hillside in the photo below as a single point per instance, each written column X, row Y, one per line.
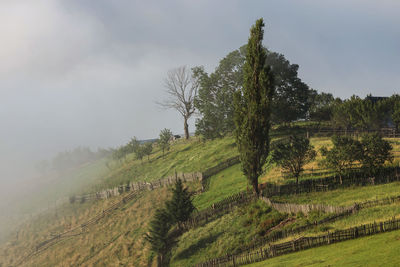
column 377, row 250
column 118, row 239
column 184, row 156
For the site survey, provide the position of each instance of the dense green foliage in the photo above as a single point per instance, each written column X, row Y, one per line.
column 371, row 113
column 215, row 97
column 293, row 154
column 292, row 99
column 253, row 108
column 342, row 156
column 375, row 151
column 321, row 106
column 180, row 207
column 160, row 237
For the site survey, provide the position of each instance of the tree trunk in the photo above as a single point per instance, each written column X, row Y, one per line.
column 186, row 128
column 256, row 191
column 297, row 184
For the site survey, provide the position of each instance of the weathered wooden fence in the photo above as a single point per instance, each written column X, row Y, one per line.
column 225, row 206
column 303, row 243
column 354, row 178
column 218, row 209
column 305, row 208
column 338, row 212
column 138, row 186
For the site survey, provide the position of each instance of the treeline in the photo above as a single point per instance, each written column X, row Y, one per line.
column 292, row 101
column 133, row 146
column 143, row 148
column 72, row 159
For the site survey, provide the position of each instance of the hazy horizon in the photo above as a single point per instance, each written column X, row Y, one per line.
column 74, row 73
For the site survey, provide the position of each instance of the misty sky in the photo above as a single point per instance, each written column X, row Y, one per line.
column 84, row 72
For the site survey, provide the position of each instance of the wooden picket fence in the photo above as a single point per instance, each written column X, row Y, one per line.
column 303, row 243
column 338, row 213
column 304, row 208
column 354, row 178
column 218, row 209
column 138, row 186
column 310, row 185
column 162, row 182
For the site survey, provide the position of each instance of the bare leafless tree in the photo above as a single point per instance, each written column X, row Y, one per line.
column 181, row 87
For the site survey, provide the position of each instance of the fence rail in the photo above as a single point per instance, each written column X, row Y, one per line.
column 354, row 178
column 78, row 230
column 303, row 243
column 338, row 212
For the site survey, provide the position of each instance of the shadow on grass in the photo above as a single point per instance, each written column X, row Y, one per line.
column 202, row 243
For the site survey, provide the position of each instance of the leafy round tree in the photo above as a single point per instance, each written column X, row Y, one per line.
column 375, row 151
column 253, row 107
column 293, row 155
column 341, row 157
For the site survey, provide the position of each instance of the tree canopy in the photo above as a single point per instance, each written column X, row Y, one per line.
column 215, row 97
column 180, row 206
column 345, row 152
column 293, row 154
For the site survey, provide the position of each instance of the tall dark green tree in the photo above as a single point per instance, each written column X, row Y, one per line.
column 215, row 98
column 253, row 108
column 180, row 207
column 160, row 236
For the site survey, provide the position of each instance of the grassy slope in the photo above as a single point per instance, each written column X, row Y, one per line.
column 377, row 250
column 184, row 156
column 225, row 234
column 127, row 228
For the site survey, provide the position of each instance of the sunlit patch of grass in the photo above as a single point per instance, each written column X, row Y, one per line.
column 344, row 196
column 376, row 250
column 192, row 155
column 225, row 234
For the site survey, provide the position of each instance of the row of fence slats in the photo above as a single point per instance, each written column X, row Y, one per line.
column 303, row 243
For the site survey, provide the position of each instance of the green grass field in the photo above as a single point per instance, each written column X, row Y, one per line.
column 225, row 234
column 376, row 250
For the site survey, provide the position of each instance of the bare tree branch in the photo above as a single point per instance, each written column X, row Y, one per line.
column 181, row 88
